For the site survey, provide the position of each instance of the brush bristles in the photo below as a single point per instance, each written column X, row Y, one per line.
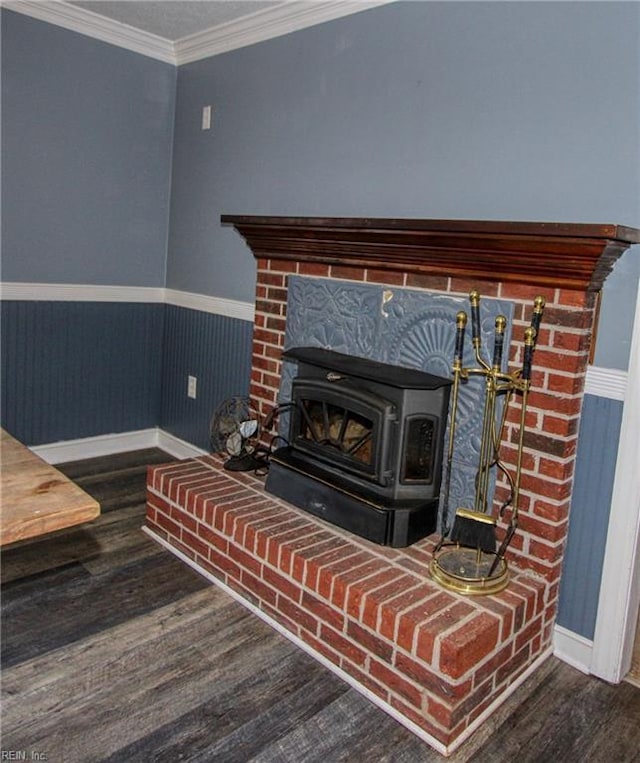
column 474, row 530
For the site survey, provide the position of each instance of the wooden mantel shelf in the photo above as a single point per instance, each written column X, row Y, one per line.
column 565, row 255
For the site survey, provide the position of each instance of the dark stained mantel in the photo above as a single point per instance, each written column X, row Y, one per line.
column 565, row 255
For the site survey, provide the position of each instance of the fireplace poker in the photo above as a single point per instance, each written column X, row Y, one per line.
column 530, row 341
column 461, row 323
column 510, row 387
column 525, row 383
column 490, row 442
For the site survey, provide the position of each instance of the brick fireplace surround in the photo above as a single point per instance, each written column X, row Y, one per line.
column 437, row 661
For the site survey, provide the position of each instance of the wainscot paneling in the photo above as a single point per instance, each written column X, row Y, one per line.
column 79, row 369
column 216, row 349
column 590, row 506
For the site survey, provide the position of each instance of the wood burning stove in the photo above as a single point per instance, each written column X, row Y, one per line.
column 365, row 443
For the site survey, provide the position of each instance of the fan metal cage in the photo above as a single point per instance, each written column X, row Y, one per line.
column 235, row 431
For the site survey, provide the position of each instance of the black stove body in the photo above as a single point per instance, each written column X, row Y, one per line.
column 365, row 445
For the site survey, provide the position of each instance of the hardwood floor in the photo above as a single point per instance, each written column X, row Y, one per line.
column 114, row 650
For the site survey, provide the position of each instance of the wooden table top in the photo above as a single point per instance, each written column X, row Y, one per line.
column 35, row 498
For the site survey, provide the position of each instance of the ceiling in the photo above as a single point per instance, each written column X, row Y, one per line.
column 175, row 19
column 181, row 31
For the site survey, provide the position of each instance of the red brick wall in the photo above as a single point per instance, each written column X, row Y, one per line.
column 436, row 658
column 555, row 400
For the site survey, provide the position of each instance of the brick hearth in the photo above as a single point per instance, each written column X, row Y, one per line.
column 437, row 660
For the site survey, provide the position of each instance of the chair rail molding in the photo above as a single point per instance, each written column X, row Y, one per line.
column 66, row 292
column 72, row 292
column 606, row 382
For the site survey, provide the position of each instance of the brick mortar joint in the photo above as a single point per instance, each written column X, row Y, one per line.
column 547, row 478
column 550, row 544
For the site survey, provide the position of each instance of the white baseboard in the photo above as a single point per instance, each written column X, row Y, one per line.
column 572, row 648
column 102, row 445
column 176, row 447
column 106, row 445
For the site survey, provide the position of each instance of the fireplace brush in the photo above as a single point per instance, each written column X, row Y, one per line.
column 474, row 566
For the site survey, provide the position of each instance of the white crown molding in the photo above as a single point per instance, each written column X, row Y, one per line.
column 93, row 25
column 68, row 292
column 284, row 18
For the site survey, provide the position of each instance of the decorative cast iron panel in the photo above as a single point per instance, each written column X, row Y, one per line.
column 399, row 326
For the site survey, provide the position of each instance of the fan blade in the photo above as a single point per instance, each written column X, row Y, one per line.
column 234, row 444
column 248, row 428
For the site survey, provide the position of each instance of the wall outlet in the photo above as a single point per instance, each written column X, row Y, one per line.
column 192, row 383
column 206, row 117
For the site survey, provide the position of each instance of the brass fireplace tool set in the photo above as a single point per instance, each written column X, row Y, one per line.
column 469, row 560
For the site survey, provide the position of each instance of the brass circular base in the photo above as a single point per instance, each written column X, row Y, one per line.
column 466, row 571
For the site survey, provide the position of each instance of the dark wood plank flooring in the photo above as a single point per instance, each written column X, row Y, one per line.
column 114, row 650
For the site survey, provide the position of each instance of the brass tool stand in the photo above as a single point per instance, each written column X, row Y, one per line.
column 468, row 561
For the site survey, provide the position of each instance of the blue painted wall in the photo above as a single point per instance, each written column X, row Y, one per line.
column 87, row 148
column 86, row 156
column 217, row 351
column 525, row 111
column 87, row 131
column 79, row 369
